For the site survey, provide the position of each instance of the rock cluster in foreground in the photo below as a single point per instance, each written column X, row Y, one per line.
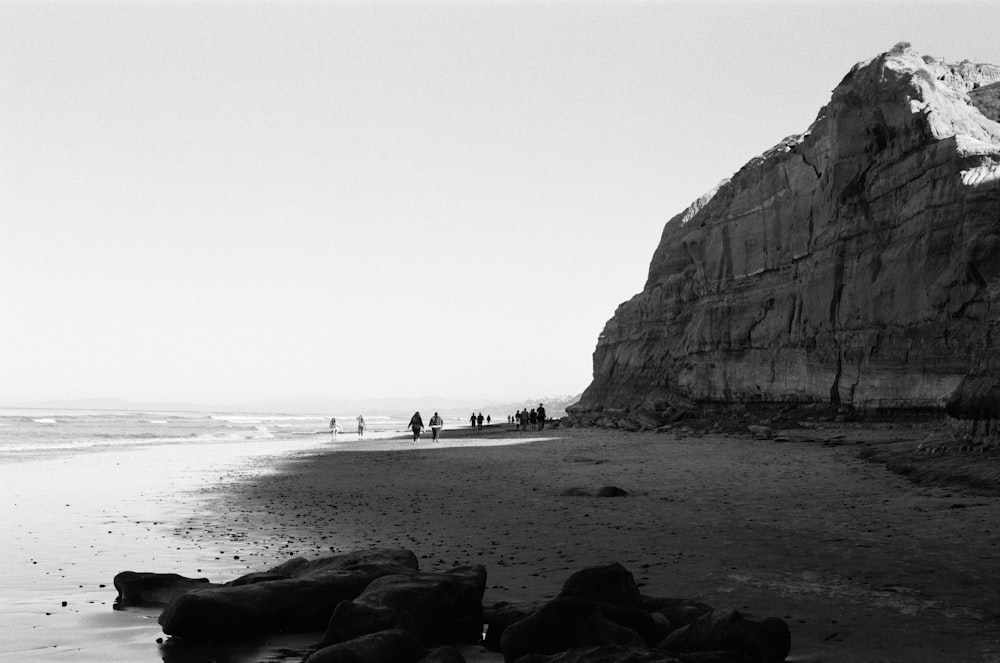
column 377, row 606
column 855, row 264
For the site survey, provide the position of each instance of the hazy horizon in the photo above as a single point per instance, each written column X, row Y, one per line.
column 232, row 202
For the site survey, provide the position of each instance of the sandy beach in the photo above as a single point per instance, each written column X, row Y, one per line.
column 863, row 564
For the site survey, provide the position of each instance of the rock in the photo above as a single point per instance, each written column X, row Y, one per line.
column 611, row 583
column 443, row 655
column 436, row 607
column 678, row 612
column 856, row 263
column 561, row 624
column 501, row 615
column 760, row 432
column 765, row 641
column 390, row 646
column 612, row 491
column 144, row 588
column 618, row 654
column 303, row 602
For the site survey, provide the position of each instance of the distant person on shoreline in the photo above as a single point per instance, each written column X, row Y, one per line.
column 489, row 418
column 479, row 420
column 541, row 416
column 524, row 419
column 472, row 420
column 533, row 419
column 361, row 426
column 436, row 424
column 334, row 428
column 416, row 425
column 517, row 420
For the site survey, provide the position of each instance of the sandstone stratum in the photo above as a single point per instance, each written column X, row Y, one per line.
column 856, row 264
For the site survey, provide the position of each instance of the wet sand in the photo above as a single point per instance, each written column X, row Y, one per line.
column 864, row 565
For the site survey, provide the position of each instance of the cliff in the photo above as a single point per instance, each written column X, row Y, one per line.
column 857, row 263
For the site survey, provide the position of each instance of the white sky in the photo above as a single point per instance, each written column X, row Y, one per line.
column 219, row 201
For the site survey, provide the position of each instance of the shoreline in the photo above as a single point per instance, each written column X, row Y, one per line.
column 863, row 564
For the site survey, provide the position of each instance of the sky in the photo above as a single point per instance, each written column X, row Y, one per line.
column 227, row 201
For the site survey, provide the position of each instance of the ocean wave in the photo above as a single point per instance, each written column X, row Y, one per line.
column 45, row 420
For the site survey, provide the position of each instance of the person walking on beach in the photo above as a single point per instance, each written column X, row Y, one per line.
column 436, row 424
column 334, row 428
column 472, row 420
column 361, row 426
column 524, row 419
column 416, row 425
column 533, row 419
column 479, row 420
column 517, row 420
column 541, row 416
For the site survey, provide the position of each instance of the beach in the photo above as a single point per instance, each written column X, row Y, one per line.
column 862, row 564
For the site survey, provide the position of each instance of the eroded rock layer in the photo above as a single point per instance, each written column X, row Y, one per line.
column 857, row 263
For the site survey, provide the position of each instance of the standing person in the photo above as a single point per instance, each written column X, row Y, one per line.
column 472, row 420
column 541, row 416
column 479, row 420
column 524, row 419
column 334, row 428
column 437, row 423
column 361, row 426
column 416, row 425
column 489, row 418
column 533, row 419
column 517, row 420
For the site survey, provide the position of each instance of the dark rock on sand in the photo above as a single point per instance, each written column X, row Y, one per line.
column 303, row 601
column 390, row 646
column 618, row 654
column 765, row 641
column 565, row 623
column 612, row 583
column 501, row 615
column 678, row 612
column 443, row 654
column 436, row 607
column 144, row 588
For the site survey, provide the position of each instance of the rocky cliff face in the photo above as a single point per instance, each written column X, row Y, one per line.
column 857, row 263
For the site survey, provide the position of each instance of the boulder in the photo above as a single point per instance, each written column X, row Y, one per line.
column 561, row 624
column 145, row 588
column 498, row 617
column 678, row 612
column 390, row 646
column 855, row 263
column 443, row 654
column 765, row 641
column 611, row 583
column 436, row 607
column 618, row 654
column 302, row 600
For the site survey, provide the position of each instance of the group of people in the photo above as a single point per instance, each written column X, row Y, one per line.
column 417, row 425
column 335, row 427
column 522, row 419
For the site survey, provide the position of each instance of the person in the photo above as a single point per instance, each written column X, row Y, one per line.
column 361, row 426
column 517, row 420
column 489, row 418
column 436, row 424
column 541, row 416
column 334, row 428
column 416, row 425
column 533, row 419
column 479, row 420
column 524, row 419
column 472, row 420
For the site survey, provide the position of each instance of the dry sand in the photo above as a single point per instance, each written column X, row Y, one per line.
column 864, row 565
